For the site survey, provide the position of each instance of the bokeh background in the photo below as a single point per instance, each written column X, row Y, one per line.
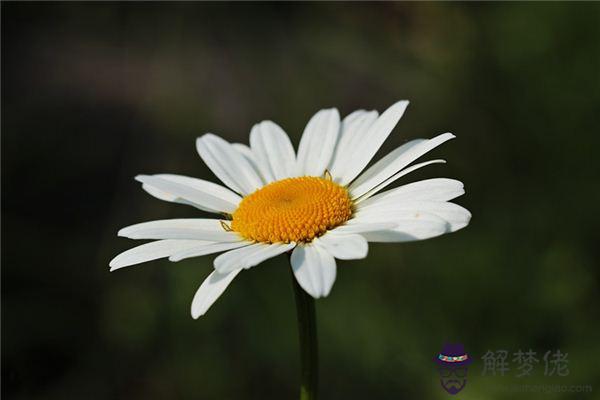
column 93, row 94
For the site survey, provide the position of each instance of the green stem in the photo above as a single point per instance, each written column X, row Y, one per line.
column 307, row 332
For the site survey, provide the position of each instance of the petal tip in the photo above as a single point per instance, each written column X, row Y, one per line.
column 266, row 123
column 114, row 265
column 204, row 137
column 122, row 232
column 141, row 178
column 333, row 111
column 364, row 254
column 196, row 315
column 399, row 106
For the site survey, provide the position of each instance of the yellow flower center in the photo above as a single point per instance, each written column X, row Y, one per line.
column 292, row 210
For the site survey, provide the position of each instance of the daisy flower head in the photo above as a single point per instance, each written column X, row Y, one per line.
column 318, row 203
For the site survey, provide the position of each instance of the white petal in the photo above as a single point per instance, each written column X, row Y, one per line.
column 201, row 194
column 353, row 132
column 151, row 251
column 314, row 269
column 274, row 150
column 353, row 116
column 190, row 228
column 394, row 162
column 457, row 216
column 409, row 231
column 386, row 160
column 436, row 189
column 344, row 246
column 234, row 259
column 245, row 151
column 228, row 164
column 318, row 142
column 210, row 290
column 370, row 141
column 390, row 215
column 409, row 226
column 207, row 248
column 249, row 256
column 269, row 251
column 360, row 226
column 393, row 178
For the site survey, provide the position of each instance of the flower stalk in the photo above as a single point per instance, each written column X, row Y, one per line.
column 307, row 332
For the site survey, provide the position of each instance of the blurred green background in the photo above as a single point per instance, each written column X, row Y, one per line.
column 93, row 94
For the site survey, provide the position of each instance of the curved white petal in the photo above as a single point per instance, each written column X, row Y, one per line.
column 359, row 226
column 394, row 162
column 436, row 189
column 408, row 232
column 207, row 248
column 245, row 151
column 274, row 151
column 249, row 256
column 317, row 143
column 392, row 179
column 353, row 131
column 353, row 116
column 210, row 290
column 456, row 216
column 410, row 226
column 228, row 164
column 252, row 157
column 151, row 251
column 189, row 228
column 370, row 141
column 397, row 216
column 234, row 259
column 270, row 251
column 199, row 193
column 344, row 246
column 314, row 269
column 386, row 160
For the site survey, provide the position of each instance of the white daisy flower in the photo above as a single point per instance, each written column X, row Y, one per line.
column 315, row 203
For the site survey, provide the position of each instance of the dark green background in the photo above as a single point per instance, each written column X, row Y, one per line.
column 93, row 94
